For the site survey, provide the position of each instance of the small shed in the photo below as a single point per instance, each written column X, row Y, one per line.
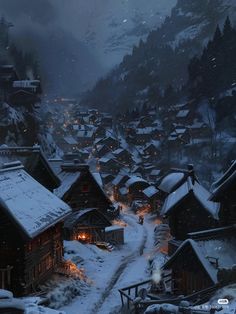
column 114, row 234
column 135, row 186
column 87, row 225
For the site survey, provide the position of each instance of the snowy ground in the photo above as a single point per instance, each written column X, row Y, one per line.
column 110, row 271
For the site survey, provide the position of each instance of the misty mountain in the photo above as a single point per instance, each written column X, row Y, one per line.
column 162, row 59
column 79, row 42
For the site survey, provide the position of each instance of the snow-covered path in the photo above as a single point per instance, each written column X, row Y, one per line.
column 118, row 269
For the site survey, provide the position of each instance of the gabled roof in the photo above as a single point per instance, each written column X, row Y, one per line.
column 133, row 180
column 200, row 193
column 29, row 157
column 150, row 191
column 75, row 218
column 225, row 182
column 30, row 205
column 171, row 180
column 219, row 249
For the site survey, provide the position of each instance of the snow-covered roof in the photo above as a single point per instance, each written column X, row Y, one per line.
column 170, row 181
column 118, row 151
column 133, row 180
column 113, row 228
column 28, row 203
column 118, row 179
column 33, row 84
column 67, row 180
column 123, row 191
column 70, row 140
column 228, row 179
column 223, row 250
column 200, row 193
column 150, row 191
column 74, row 218
column 182, row 114
column 98, row 178
column 155, row 172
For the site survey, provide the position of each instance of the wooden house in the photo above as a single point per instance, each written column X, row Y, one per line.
column 154, row 175
column 224, row 192
column 117, row 184
column 101, row 150
column 135, row 186
column 107, row 121
column 69, row 143
column 198, row 265
column 108, row 164
column 123, row 156
column 35, row 163
column 85, row 138
column 188, row 209
column 100, row 132
column 111, row 142
column 26, row 93
column 86, row 225
column 151, row 195
column 31, row 217
column 80, row 189
column 152, row 150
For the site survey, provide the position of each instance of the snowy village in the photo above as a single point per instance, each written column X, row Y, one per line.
column 118, row 157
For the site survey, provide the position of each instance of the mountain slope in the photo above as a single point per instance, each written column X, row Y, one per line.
column 164, row 57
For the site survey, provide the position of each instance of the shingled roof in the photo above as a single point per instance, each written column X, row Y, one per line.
column 28, row 204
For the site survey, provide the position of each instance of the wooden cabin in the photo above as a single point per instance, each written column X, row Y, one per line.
column 26, row 93
column 224, row 192
column 117, row 184
column 123, row 156
column 188, row 209
column 31, row 218
column 111, row 142
column 101, row 150
column 197, row 265
column 86, row 225
column 151, row 195
column 135, row 186
column 109, row 164
column 34, row 162
column 80, row 189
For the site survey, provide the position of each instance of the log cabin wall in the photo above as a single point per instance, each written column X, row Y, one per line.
column 23, row 263
column 11, row 255
column 87, row 194
column 41, row 256
column 188, row 217
column 188, row 274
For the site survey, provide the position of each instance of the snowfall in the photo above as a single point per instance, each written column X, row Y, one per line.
column 107, row 271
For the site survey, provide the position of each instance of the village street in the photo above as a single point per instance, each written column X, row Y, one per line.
column 110, row 271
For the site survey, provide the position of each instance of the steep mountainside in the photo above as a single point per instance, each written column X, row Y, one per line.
column 163, row 58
